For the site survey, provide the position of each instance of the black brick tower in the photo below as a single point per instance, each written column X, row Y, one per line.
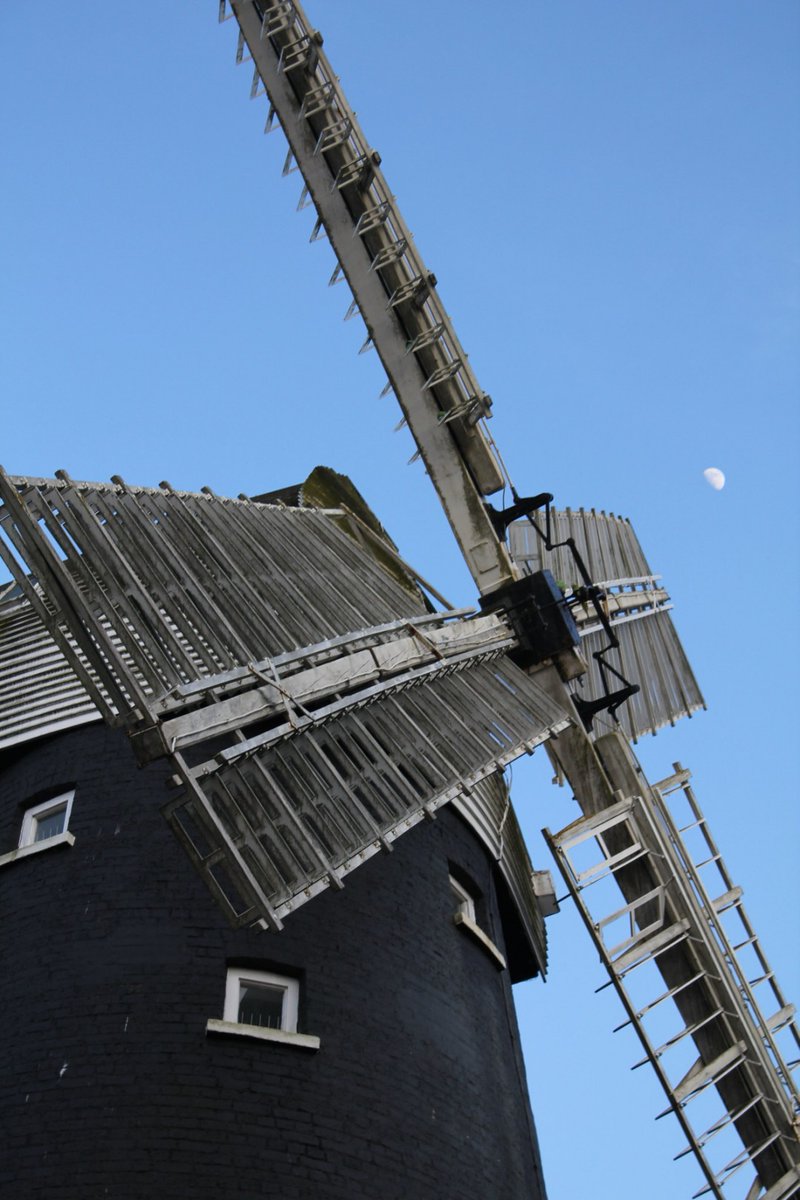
column 115, row 957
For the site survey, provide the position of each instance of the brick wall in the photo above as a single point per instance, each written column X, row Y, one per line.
column 114, row 956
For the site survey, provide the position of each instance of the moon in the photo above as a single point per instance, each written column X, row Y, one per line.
column 715, row 477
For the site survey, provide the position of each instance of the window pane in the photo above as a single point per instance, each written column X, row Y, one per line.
column 50, row 824
column 261, row 1004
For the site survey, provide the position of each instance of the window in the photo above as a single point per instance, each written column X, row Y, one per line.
column 259, row 1004
column 258, row 998
column 44, row 826
column 46, row 820
column 465, row 903
column 466, row 918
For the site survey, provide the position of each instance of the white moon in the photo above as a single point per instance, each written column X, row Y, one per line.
column 715, row 477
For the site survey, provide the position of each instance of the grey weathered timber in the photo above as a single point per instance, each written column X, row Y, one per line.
column 189, row 619
column 282, row 692
column 702, row 870
column 428, row 369
column 678, row 919
column 638, row 607
column 607, row 780
column 650, row 652
column 607, row 544
column 145, row 590
column 300, row 808
column 40, row 695
column 675, row 926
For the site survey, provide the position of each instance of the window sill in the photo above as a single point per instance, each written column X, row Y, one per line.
column 60, row 839
column 305, row 1041
column 477, row 933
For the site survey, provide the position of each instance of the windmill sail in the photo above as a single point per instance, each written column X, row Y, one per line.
column 311, row 705
column 639, row 610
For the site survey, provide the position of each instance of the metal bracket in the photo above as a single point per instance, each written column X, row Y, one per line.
column 588, row 709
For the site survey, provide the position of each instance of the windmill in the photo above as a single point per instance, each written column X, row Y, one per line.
column 458, row 401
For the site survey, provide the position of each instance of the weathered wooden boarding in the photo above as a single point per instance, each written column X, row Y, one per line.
column 638, row 607
column 313, row 707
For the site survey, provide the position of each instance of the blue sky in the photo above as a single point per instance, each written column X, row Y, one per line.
column 609, row 197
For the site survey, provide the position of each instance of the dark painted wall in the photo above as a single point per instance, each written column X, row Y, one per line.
column 114, row 956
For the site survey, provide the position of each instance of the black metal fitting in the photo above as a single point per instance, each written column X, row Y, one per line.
column 539, row 616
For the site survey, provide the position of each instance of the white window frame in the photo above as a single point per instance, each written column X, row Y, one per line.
column 287, row 1033
column 465, row 901
column 239, row 977
column 33, row 815
column 465, row 918
column 27, row 845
